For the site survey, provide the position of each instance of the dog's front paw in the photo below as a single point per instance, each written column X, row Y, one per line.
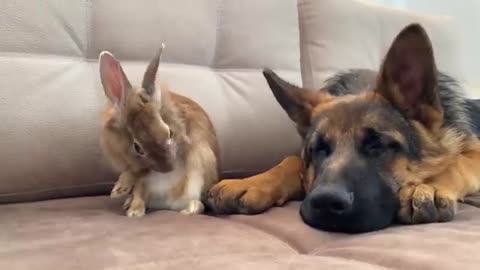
column 240, row 197
column 195, row 207
column 424, row 204
column 136, row 208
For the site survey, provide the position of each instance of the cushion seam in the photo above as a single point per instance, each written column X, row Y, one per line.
column 88, row 25
column 271, row 235
column 217, row 31
column 302, row 37
column 53, row 57
column 23, row 193
column 43, row 190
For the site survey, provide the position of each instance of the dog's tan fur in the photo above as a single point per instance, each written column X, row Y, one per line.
column 153, row 120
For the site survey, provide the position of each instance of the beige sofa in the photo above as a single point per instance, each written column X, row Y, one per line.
column 54, row 212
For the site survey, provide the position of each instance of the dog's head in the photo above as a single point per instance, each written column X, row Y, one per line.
column 354, row 144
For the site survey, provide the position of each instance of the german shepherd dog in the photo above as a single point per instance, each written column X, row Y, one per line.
column 397, row 145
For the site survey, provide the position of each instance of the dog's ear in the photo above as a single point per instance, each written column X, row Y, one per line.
column 408, row 80
column 114, row 81
column 297, row 102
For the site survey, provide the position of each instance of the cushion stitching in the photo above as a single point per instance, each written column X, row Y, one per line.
column 53, row 57
column 292, row 259
column 88, row 25
column 377, row 266
column 196, row 257
column 349, row 259
column 302, row 37
column 217, row 31
column 22, row 193
column 299, row 250
column 271, row 235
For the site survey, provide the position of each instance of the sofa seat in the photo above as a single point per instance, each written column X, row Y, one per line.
column 51, row 99
column 93, row 233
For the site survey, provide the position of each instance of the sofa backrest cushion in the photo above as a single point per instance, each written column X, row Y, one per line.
column 52, row 99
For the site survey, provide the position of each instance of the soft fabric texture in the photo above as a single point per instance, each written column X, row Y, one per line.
column 91, row 233
column 51, row 99
column 338, row 35
column 215, row 51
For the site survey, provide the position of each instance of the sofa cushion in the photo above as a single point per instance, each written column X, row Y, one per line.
column 52, row 96
column 51, row 27
column 92, row 233
column 431, row 246
column 338, row 35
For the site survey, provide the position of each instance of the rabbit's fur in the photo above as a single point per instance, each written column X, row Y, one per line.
column 163, row 143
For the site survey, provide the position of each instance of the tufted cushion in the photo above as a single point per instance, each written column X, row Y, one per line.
column 52, row 98
column 337, row 35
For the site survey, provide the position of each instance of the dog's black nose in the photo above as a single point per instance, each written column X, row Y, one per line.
column 334, row 200
column 343, row 207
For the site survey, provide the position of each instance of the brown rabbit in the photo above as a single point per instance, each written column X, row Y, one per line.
column 163, row 143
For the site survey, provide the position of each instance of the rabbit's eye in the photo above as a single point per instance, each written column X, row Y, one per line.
column 138, row 149
column 170, row 134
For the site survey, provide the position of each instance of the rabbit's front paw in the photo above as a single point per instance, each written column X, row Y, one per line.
column 127, row 203
column 195, row 207
column 136, row 209
column 123, row 186
column 119, row 190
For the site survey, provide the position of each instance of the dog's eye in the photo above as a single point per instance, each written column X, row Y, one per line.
column 372, row 144
column 321, row 148
column 138, row 149
column 375, row 144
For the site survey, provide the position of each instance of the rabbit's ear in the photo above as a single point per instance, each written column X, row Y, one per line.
column 148, row 83
column 115, row 83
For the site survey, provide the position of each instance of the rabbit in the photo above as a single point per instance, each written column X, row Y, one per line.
column 163, row 143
